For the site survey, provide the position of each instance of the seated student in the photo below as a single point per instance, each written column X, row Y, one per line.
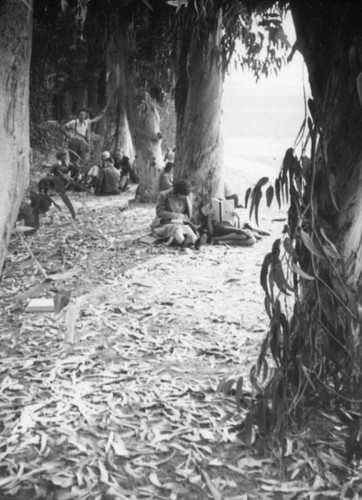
column 68, row 172
column 126, row 168
column 173, row 216
column 61, row 168
column 166, row 179
column 95, row 175
column 108, row 179
column 224, row 231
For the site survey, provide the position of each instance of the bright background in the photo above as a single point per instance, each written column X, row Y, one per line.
column 261, row 120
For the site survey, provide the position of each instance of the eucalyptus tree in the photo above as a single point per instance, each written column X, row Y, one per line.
column 15, row 49
column 209, row 34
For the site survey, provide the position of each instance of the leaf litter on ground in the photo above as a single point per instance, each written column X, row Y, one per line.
column 116, row 396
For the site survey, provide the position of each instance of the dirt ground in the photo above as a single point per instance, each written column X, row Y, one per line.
column 125, row 394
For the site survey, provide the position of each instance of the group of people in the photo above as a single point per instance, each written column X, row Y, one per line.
column 173, row 223
column 112, row 176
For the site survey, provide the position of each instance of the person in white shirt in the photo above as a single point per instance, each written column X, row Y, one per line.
column 79, row 131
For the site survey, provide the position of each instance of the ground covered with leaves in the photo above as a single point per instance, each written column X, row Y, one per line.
column 138, row 388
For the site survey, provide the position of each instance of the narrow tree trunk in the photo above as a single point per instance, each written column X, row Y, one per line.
column 148, row 141
column 15, row 49
column 199, row 143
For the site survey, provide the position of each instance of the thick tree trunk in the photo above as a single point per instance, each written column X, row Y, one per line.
column 327, row 333
column 117, row 133
column 148, row 141
column 199, row 143
column 15, row 49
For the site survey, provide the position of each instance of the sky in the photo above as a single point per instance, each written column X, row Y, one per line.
column 292, row 77
column 272, row 108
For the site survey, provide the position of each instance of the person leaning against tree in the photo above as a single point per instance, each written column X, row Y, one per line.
column 79, row 131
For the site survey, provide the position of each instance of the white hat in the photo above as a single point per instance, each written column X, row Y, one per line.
column 106, row 155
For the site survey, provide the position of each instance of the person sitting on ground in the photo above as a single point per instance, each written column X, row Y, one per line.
column 118, row 155
column 224, row 231
column 126, row 168
column 166, row 179
column 61, row 168
column 173, row 216
column 108, row 177
column 95, row 174
column 68, row 172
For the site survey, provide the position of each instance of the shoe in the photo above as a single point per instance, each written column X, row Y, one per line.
column 204, row 239
column 197, row 244
column 187, row 242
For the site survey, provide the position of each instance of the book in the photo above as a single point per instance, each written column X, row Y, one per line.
column 223, row 210
column 42, row 304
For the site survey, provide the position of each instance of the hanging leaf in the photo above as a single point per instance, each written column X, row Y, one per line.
column 308, row 243
column 278, row 276
column 310, row 126
column 297, row 270
column 277, row 192
column 333, row 190
column 261, row 182
column 287, row 244
column 269, row 196
column 312, row 109
column 247, row 195
column 256, row 196
column 264, row 272
column 331, row 250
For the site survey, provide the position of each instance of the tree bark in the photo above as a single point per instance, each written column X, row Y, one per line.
column 117, row 133
column 333, row 193
column 148, row 141
column 15, row 49
column 199, row 143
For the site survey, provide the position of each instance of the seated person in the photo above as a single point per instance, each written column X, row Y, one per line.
column 68, row 172
column 108, row 178
column 61, row 168
column 224, row 231
column 166, row 179
column 173, row 216
column 126, row 168
column 94, row 175
column 118, row 155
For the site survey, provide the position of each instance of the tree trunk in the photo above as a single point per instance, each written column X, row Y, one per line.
column 323, row 344
column 15, row 49
column 148, row 141
column 199, row 143
column 117, row 133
